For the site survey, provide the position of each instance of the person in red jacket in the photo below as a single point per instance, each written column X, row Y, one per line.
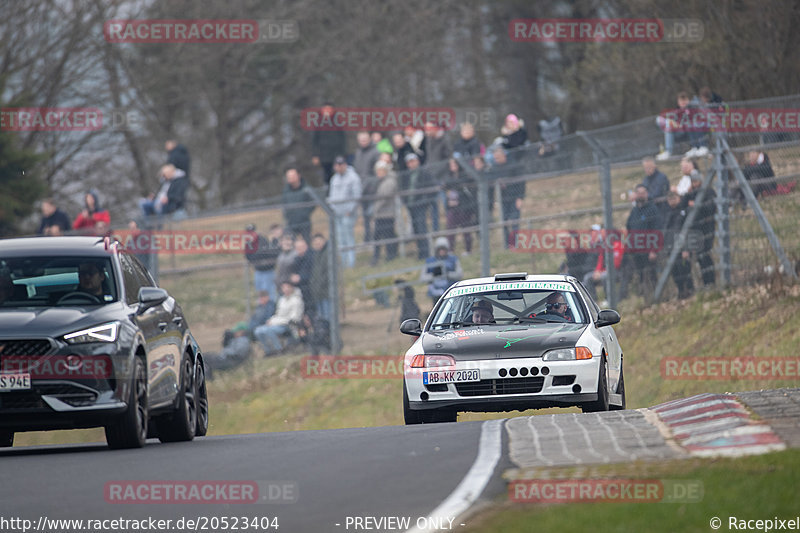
column 598, row 276
column 93, row 219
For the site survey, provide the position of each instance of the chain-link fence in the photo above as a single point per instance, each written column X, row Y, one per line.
column 540, row 208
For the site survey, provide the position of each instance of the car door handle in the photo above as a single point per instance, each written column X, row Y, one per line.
column 177, row 319
column 162, row 326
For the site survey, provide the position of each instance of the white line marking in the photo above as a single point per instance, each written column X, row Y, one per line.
column 465, row 494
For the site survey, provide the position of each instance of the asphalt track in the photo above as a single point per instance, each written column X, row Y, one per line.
column 362, row 479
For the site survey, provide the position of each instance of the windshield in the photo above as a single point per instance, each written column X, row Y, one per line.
column 519, row 303
column 56, row 281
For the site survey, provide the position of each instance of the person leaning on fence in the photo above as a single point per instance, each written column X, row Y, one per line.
column 462, row 205
column 383, row 209
column 441, row 269
column 644, row 216
column 682, row 268
column 297, row 204
column 264, row 257
column 288, row 314
column 703, row 226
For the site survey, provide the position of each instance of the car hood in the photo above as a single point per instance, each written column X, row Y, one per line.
column 27, row 322
column 502, row 341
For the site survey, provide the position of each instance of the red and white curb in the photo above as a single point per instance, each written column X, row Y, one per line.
column 709, row 425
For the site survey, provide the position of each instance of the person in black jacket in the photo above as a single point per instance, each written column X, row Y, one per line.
column 644, row 216
column 263, row 259
column 758, row 171
column 703, row 225
column 54, row 220
column 682, row 268
column 178, row 155
column 297, row 217
column 418, row 205
column 326, row 145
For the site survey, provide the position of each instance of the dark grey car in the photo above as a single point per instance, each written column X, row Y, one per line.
column 87, row 339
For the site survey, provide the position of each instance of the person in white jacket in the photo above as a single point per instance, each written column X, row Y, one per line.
column 343, row 196
column 289, row 310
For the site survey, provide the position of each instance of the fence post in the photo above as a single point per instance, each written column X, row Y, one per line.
column 756, row 207
column 483, row 213
column 333, row 272
column 400, row 224
column 608, row 214
column 722, row 218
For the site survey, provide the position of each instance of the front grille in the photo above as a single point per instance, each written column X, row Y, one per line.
column 22, row 400
column 496, row 387
column 24, row 347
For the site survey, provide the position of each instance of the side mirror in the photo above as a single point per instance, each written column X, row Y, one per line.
column 606, row 317
column 412, row 326
column 150, row 297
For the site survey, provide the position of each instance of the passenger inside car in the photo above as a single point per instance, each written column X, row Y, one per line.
column 482, row 312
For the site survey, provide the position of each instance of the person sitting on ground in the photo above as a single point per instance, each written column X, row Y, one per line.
column 482, row 312
column 441, row 269
column 758, row 172
column 171, row 195
column 289, row 311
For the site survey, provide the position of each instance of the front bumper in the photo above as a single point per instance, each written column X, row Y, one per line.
column 509, row 384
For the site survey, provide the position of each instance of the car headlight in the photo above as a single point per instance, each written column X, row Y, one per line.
column 568, row 354
column 102, row 333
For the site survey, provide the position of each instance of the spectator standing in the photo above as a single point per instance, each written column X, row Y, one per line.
column 462, row 204
column 401, row 149
column 513, row 132
column 54, row 220
column 441, row 270
column 320, row 279
column 285, row 260
column 418, row 203
column 644, row 216
column 703, row 225
column 364, row 160
column 438, row 147
column 93, row 218
column 264, row 258
column 382, row 144
column 326, row 145
column 298, row 204
column 599, row 274
column 682, row 268
column 384, row 210
column 656, row 182
column 301, row 269
column 343, row 197
column 467, row 145
column 511, row 193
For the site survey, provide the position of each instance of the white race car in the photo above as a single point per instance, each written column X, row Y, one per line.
column 512, row 342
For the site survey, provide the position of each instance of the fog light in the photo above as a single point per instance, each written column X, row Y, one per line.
column 576, row 388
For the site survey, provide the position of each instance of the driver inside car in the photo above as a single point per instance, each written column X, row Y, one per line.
column 556, row 307
column 90, row 279
column 482, row 312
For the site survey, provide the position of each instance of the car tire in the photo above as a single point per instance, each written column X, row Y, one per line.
column 202, row 401
column 130, row 429
column 621, row 392
column 6, row 439
column 181, row 425
column 601, row 404
column 409, row 416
